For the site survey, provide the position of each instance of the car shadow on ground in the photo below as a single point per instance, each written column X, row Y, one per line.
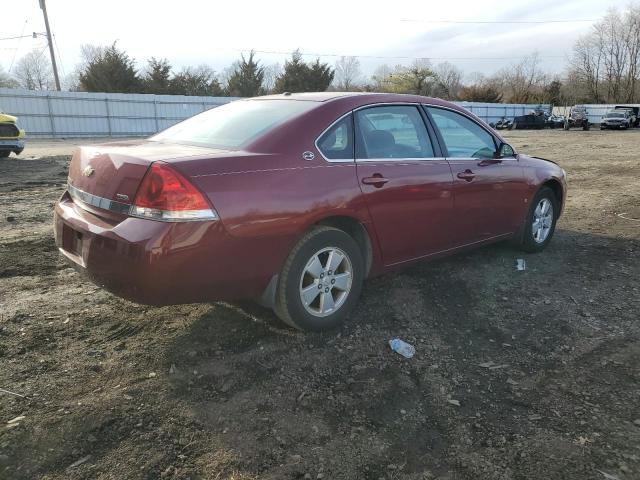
column 503, row 360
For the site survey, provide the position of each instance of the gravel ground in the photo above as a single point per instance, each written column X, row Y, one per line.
column 517, row 375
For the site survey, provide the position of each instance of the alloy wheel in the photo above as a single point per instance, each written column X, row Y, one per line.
column 542, row 220
column 326, row 281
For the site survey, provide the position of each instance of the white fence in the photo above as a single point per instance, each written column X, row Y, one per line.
column 78, row 114
column 48, row 114
column 492, row 112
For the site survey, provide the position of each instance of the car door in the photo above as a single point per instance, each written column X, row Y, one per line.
column 489, row 192
column 405, row 181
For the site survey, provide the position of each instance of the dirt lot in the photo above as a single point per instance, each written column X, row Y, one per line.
column 518, row 375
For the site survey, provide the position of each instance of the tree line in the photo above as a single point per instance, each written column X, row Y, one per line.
column 604, row 68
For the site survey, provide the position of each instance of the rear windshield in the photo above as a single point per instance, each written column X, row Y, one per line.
column 234, row 124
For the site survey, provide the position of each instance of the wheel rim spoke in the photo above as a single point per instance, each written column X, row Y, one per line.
column 314, row 267
column 310, row 293
column 326, row 302
column 342, row 281
column 334, row 260
column 545, row 206
column 538, row 211
column 536, row 224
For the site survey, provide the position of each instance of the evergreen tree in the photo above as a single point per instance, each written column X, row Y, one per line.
column 298, row 76
column 157, row 78
column 201, row 80
column 246, row 78
column 320, row 76
column 110, row 70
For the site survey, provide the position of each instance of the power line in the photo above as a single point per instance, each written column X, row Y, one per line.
column 15, row 53
column 55, row 41
column 492, row 22
column 380, row 57
column 15, row 38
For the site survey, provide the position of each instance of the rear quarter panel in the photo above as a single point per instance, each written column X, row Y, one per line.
column 270, row 209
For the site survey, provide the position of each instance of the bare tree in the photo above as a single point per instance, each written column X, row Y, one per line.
column 348, row 74
column 6, row 81
column 33, row 71
column 380, row 79
column 271, row 73
column 522, row 82
column 607, row 60
column 587, row 65
column 632, row 40
column 449, row 80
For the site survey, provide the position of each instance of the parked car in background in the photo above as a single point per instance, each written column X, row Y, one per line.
column 533, row 120
column 632, row 112
column 503, row 124
column 296, row 199
column 556, row 121
column 578, row 118
column 536, row 119
column 615, row 119
column 11, row 137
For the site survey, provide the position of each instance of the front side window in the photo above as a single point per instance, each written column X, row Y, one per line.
column 392, row 132
column 234, row 124
column 337, row 142
column 463, row 137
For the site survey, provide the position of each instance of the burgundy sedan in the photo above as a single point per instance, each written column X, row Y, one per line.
column 295, row 199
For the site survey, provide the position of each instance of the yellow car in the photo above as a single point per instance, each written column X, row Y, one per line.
column 11, row 137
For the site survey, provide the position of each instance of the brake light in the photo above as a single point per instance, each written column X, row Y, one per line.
column 166, row 195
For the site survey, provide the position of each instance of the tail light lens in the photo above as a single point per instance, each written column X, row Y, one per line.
column 166, row 195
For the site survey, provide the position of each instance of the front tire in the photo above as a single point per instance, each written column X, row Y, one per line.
column 321, row 280
column 540, row 223
column 4, row 153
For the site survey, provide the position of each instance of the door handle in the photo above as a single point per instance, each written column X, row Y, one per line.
column 467, row 175
column 376, row 180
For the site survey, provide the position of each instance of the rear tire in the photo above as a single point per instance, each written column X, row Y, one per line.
column 540, row 224
column 326, row 268
column 4, row 153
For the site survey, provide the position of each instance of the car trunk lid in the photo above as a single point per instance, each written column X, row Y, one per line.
column 113, row 172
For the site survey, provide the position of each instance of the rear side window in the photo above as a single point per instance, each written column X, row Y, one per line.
column 234, row 124
column 463, row 137
column 392, row 131
column 337, row 142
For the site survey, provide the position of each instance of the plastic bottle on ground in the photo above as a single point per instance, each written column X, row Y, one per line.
column 403, row 348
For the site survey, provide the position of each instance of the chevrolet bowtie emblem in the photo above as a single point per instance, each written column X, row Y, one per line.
column 88, row 171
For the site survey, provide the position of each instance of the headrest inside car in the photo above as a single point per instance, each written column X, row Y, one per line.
column 380, row 140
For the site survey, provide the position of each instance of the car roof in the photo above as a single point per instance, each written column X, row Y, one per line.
column 309, row 96
column 363, row 98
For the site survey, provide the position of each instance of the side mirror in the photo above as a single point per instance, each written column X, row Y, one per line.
column 505, row 150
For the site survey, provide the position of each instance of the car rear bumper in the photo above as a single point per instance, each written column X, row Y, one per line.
column 12, row 145
column 152, row 262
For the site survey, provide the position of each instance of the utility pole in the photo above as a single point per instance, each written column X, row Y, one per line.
column 43, row 6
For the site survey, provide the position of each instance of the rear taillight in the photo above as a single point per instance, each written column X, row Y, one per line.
column 166, row 195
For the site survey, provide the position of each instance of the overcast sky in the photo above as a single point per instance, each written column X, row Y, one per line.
column 192, row 32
